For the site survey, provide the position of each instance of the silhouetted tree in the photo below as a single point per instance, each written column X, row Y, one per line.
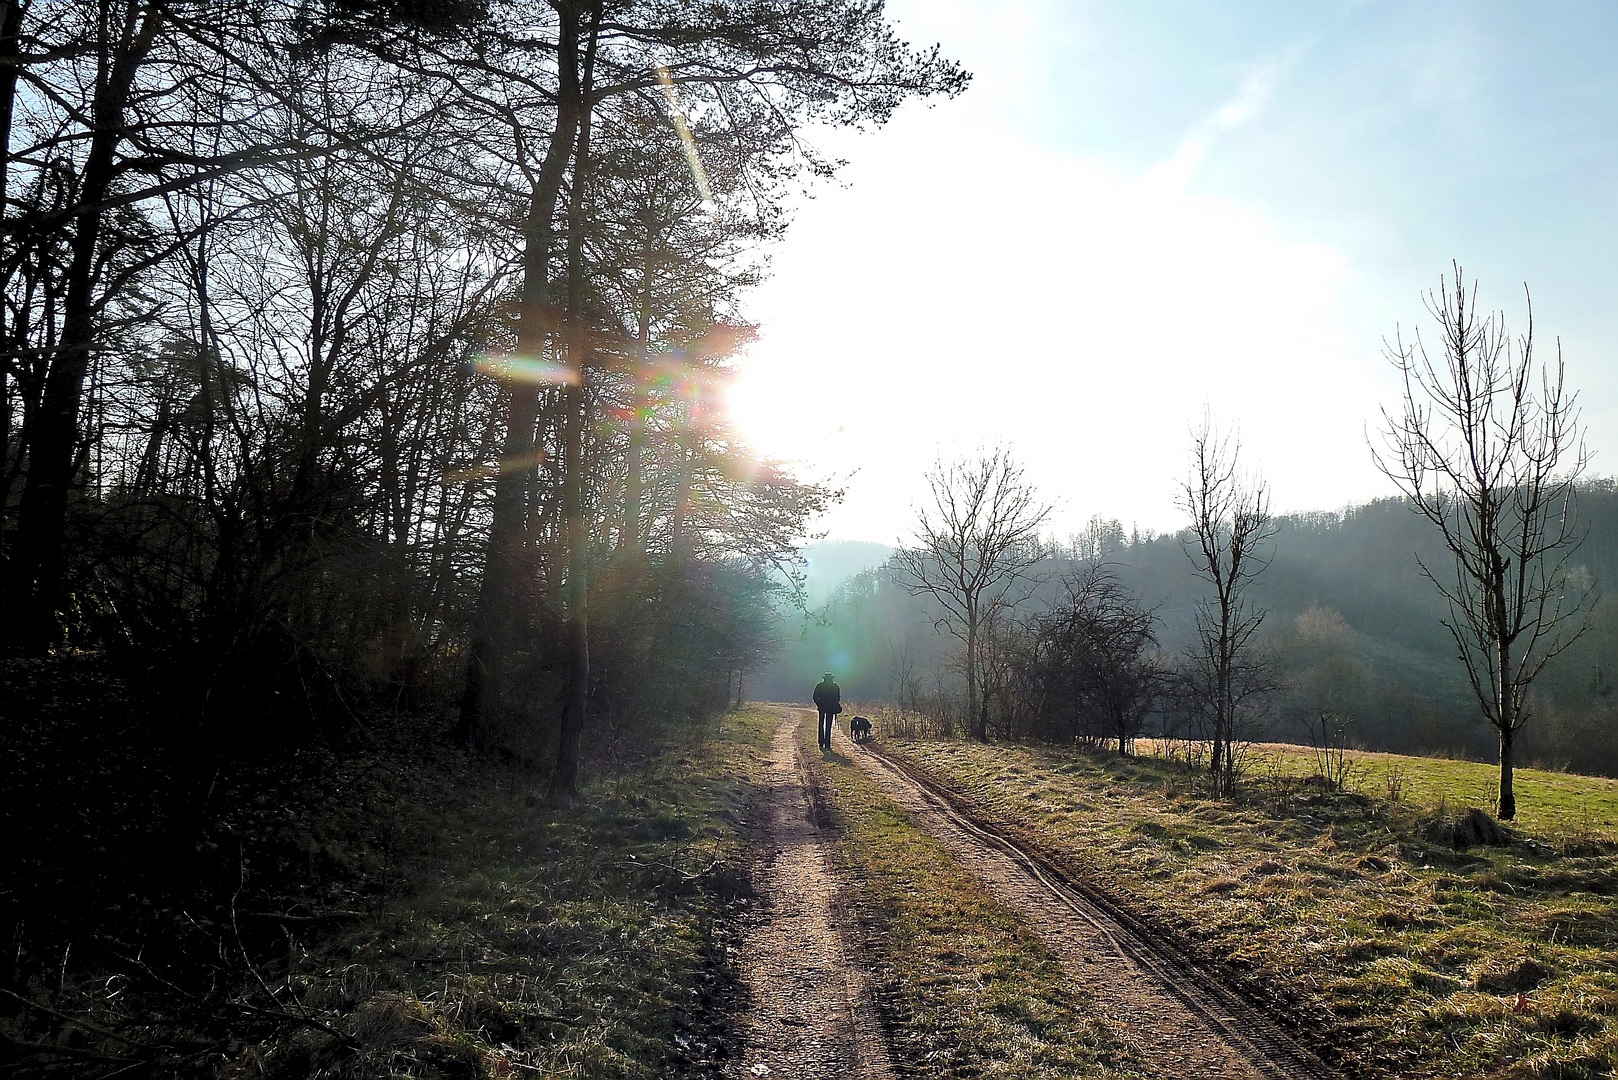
column 351, row 351
column 741, row 76
column 1094, row 662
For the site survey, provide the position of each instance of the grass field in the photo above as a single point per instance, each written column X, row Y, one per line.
column 964, row 988
column 1562, row 807
column 1393, row 955
column 592, row 939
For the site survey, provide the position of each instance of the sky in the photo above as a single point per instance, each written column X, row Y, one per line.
column 1143, row 212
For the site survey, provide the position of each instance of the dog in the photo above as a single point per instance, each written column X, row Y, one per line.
column 859, row 729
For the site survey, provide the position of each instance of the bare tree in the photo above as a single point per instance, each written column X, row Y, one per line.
column 903, row 675
column 1487, row 445
column 973, row 547
column 1095, row 660
column 1230, row 524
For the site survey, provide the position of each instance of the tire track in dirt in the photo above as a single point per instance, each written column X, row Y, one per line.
column 808, row 1015
column 1180, row 1021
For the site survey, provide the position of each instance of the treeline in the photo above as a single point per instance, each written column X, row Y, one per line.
column 1351, row 628
column 376, row 348
column 363, row 360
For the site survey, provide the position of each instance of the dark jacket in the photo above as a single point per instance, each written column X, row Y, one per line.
column 828, row 696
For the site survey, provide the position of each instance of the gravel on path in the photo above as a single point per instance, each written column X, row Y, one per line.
column 810, row 1013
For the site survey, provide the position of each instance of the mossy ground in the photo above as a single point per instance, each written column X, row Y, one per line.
column 1392, row 955
column 593, row 938
column 965, row 989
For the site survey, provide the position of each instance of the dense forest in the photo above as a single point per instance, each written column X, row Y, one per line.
column 361, row 372
column 1352, row 625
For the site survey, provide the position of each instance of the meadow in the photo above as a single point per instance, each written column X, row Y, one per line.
column 1344, row 910
column 1562, row 807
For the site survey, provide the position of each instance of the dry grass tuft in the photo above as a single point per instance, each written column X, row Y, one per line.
column 1499, row 975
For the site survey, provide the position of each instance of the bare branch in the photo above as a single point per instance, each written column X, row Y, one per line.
column 1486, row 444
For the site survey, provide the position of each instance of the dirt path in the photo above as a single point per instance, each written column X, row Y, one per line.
column 810, row 1014
column 1182, row 1024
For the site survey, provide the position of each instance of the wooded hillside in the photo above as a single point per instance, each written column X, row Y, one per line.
column 1354, row 625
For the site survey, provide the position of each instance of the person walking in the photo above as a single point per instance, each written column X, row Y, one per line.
column 829, row 700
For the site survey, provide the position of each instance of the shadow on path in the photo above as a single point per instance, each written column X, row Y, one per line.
column 805, row 1018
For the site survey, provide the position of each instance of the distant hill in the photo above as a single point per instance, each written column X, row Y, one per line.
column 832, row 562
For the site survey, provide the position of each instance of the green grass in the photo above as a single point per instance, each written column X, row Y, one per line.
column 1560, row 807
column 1394, row 956
column 964, row 988
column 591, row 940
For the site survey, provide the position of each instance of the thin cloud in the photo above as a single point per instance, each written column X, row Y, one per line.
column 1252, row 97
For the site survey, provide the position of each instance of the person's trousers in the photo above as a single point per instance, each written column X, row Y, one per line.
column 826, row 721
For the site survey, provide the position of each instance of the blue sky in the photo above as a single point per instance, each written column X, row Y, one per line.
column 1398, row 131
column 1141, row 210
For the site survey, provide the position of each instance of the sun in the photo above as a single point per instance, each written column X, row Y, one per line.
column 771, row 406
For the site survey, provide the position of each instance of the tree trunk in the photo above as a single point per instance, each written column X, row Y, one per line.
column 41, row 559
column 1508, row 756
column 980, row 730
column 629, row 534
column 1224, row 723
column 10, row 53
column 492, row 619
column 576, row 402
column 10, row 50
column 684, row 466
column 1507, row 712
column 577, row 627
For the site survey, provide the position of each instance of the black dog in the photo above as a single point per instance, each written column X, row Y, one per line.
column 859, row 728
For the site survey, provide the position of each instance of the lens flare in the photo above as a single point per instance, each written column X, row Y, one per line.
column 516, row 368
column 488, row 470
column 698, row 173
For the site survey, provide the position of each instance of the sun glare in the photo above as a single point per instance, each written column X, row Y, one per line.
column 1091, row 324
